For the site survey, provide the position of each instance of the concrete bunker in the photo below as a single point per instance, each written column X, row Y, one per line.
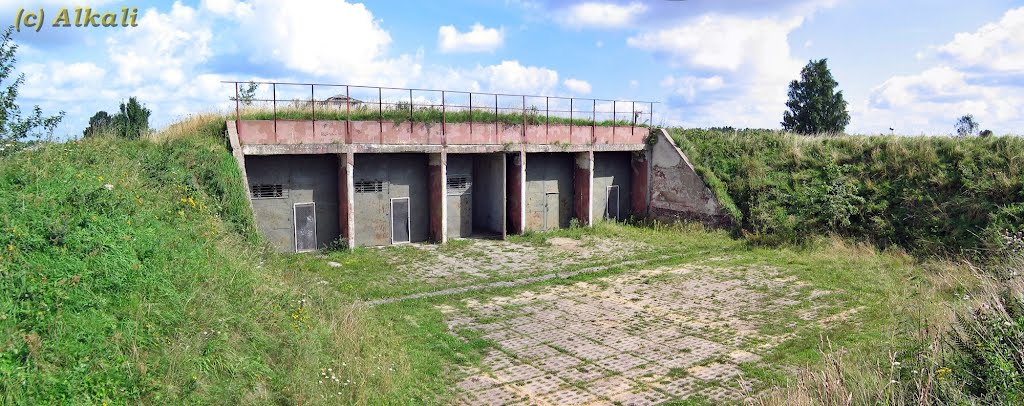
column 612, row 185
column 295, row 199
column 475, row 188
column 391, row 198
column 549, row 190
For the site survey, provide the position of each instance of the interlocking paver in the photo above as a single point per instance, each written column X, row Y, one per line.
column 641, row 338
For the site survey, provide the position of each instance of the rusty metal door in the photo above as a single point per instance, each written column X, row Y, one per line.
column 551, row 211
column 400, row 220
column 305, row 226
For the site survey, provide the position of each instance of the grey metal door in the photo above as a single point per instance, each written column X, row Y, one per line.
column 551, row 218
column 305, row 226
column 612, row 203
column 400, row 220
column 460, row 205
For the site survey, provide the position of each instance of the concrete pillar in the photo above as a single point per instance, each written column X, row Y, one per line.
column 516, row 188
column 438, row 179
column 640, row 191
column 583, row 204
column 346, row 195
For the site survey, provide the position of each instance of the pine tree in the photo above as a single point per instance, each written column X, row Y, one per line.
column 814, row 105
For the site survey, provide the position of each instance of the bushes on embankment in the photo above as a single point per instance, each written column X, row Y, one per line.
column 927, row 194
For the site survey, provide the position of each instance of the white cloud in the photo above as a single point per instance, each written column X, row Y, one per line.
column 980, row 74
column 577, row 86
column 997, row 46
column 477, row 39
column 163, row 48
column 602, row 15
column 506, row 77
column 747, row 63
column 289, row 34
column 228, row 8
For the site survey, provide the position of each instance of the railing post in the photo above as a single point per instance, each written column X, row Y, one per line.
column 632, row 129
column 613, row 120
column 410, row 113
column 593, row 123
column 524, row 119
column 348, row 114
column 547, row 117
column 312, row 99
column 238, row 113
column 273, row 87
column 380, row 113
column 470, row 115
column 495, row 118
column 570, row 120
column 444, row 139
column 651, row 113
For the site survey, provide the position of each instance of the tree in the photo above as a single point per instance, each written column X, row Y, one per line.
column 985, row 134
column 100, row 122
column 247, row 93
column 966, row 126
column 133, row 120
column 12, row 125
column 814, row 105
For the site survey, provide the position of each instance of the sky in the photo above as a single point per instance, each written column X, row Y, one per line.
column 912, row 66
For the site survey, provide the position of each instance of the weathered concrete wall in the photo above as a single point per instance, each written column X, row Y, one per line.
column 677, row 191
column 549, row 190
column 489, row 194
column 583, row 183
column 304, row 178
column 299, row 132
column 640, row 190
column 402, row 175
column 515, row 175
column 612, row 169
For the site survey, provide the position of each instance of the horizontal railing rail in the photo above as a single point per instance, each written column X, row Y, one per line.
column 292, row 101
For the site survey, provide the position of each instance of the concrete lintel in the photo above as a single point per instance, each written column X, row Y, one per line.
column 294, row 149
column 312, row 149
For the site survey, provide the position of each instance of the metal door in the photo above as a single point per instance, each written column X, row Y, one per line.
column 400, row 220
column 611, row 211
column 304, row 215
column 551, row 217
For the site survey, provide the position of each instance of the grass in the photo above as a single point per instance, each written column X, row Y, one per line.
column 399, row 114
column 930, row 195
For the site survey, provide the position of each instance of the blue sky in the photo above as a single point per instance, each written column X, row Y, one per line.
column 911, row 65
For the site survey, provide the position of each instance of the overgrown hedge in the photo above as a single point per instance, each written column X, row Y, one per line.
column 928, row 194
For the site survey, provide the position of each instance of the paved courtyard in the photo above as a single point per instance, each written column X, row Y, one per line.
column 637, row 338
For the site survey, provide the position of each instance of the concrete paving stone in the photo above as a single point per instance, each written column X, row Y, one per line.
column 647, row 373
column 583, row 373
column 627, row 343
column 680, row 387
column 515, row 343
column 557, row 363
column 534, row 328
column 570, row 396
column 499, row 335
column 540, row 385
column 517, row 373
column 741, row 357
column 620, row 362
column 496, row 360
column 721, row 394
column 592, row 352
column 612, row 385
column 649, row 397
column 476, row 383
column 536, row 352
column 497, row 396
column 715, row 371
column 556, row 335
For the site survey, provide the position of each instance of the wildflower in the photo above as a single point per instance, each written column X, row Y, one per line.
column 99, row 178
column 108, row 186
column 10, row 247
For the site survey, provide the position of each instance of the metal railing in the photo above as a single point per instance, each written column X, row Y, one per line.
column 291, row 101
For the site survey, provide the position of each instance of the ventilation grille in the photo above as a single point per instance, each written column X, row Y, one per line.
column 458, row 184
column 268, row 191
column 369, row 186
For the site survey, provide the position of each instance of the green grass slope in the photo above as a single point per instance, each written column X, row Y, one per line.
column 130, row 272
column 928, row 194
